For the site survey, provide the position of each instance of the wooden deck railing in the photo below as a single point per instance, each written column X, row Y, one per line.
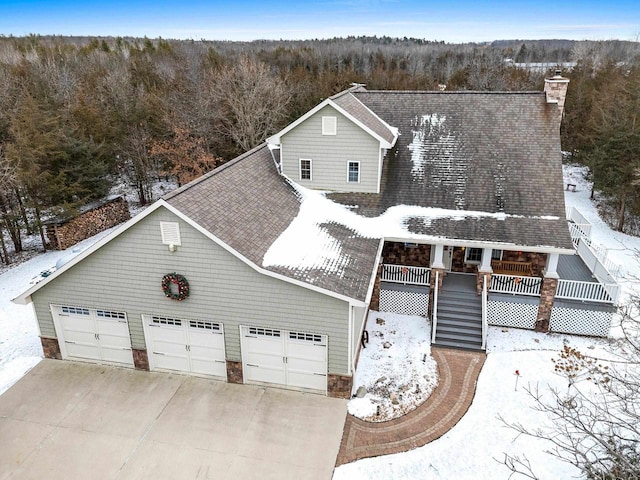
column 504, row 267
column 405, row 274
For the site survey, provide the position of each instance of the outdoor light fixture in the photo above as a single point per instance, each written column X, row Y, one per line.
column 172, row 247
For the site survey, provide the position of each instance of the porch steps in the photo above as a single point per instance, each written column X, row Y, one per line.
column 459, row 320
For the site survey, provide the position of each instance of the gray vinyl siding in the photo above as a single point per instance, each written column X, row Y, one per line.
column 330, row 154
column 125, row 275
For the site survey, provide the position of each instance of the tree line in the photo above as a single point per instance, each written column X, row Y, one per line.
column 78, row 115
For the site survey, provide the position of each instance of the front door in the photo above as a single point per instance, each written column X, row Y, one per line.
column 447, row 257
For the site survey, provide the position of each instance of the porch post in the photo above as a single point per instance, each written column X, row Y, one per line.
column 438, row 256
column 484, row 269
column 432, row 287
column 547, row 293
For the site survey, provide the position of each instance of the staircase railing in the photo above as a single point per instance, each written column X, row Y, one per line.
column 434, row 315
column 485, row 326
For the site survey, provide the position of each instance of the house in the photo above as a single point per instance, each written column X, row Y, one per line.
column 444, row 204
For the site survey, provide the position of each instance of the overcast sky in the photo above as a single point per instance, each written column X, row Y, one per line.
column 451, row 21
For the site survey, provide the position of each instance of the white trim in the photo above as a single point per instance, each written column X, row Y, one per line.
column 374, row 276
column 380, row 157
column 327, row 127
column 349, row 162
column 276, row 139
column 310, row 179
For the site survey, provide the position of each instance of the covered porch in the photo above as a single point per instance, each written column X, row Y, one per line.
column 468, row 290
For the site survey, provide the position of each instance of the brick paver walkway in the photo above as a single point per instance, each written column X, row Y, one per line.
column 458, row 370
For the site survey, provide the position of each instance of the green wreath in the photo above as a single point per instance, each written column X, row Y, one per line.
column 180, row 281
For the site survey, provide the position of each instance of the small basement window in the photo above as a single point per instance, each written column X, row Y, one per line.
column 305, row 169
column 170, row 232
column 473, row 255
column 353, row 172
column 329, row 125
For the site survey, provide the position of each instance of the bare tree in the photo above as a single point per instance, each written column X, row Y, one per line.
column 596, row 421
column 249, row 102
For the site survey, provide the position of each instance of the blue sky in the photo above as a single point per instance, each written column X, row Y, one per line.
column 451, row 21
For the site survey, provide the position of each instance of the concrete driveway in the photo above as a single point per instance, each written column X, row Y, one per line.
column 75, row 421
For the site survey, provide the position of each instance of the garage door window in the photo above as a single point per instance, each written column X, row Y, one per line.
column 75, row 311
column 166, row 321
column 264, row 332
column 204, row 325
column 115, row 315
column 308, row 337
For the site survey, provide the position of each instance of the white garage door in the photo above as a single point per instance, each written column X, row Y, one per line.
column 191, row 346
column 93, row 334
column 294, row 359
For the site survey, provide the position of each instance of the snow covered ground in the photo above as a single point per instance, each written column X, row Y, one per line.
column 474, row 448
column 396, row 364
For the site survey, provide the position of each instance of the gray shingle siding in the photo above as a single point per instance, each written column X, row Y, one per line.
column 330, row 154
column 125, row 274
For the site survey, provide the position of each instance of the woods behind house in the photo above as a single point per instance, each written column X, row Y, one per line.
column 78, row 115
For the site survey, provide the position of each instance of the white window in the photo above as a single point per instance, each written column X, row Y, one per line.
column 353, row 172
column 170, row 232
column 473, row 255
column 305, row 169
column 496, row 254
column 329, row 125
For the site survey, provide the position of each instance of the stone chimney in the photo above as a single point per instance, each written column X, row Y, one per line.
column 556, row 90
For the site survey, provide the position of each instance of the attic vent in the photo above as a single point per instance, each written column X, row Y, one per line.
column 329, row 125
column 170, row 232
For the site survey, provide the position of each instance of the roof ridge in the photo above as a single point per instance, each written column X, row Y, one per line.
column 213, row 172
column 354, row 87
column 463, row 92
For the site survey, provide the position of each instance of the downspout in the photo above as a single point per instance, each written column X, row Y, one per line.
column 350, row 340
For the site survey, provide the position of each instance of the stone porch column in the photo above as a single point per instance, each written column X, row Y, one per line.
column 547, row 294
column 484, row 270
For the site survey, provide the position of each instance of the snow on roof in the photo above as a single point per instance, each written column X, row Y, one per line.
column 307, row 243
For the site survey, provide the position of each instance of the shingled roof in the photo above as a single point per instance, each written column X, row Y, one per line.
column 495, row 152
column 248, row 205
column 364, row 115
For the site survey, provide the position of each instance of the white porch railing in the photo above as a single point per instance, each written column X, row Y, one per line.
column 578, row 231
column 592, row 254
column 574, row 215
column 484, row 312
column 590, row 291
column 405, row 274
column 434, row 315
column 516, row 285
